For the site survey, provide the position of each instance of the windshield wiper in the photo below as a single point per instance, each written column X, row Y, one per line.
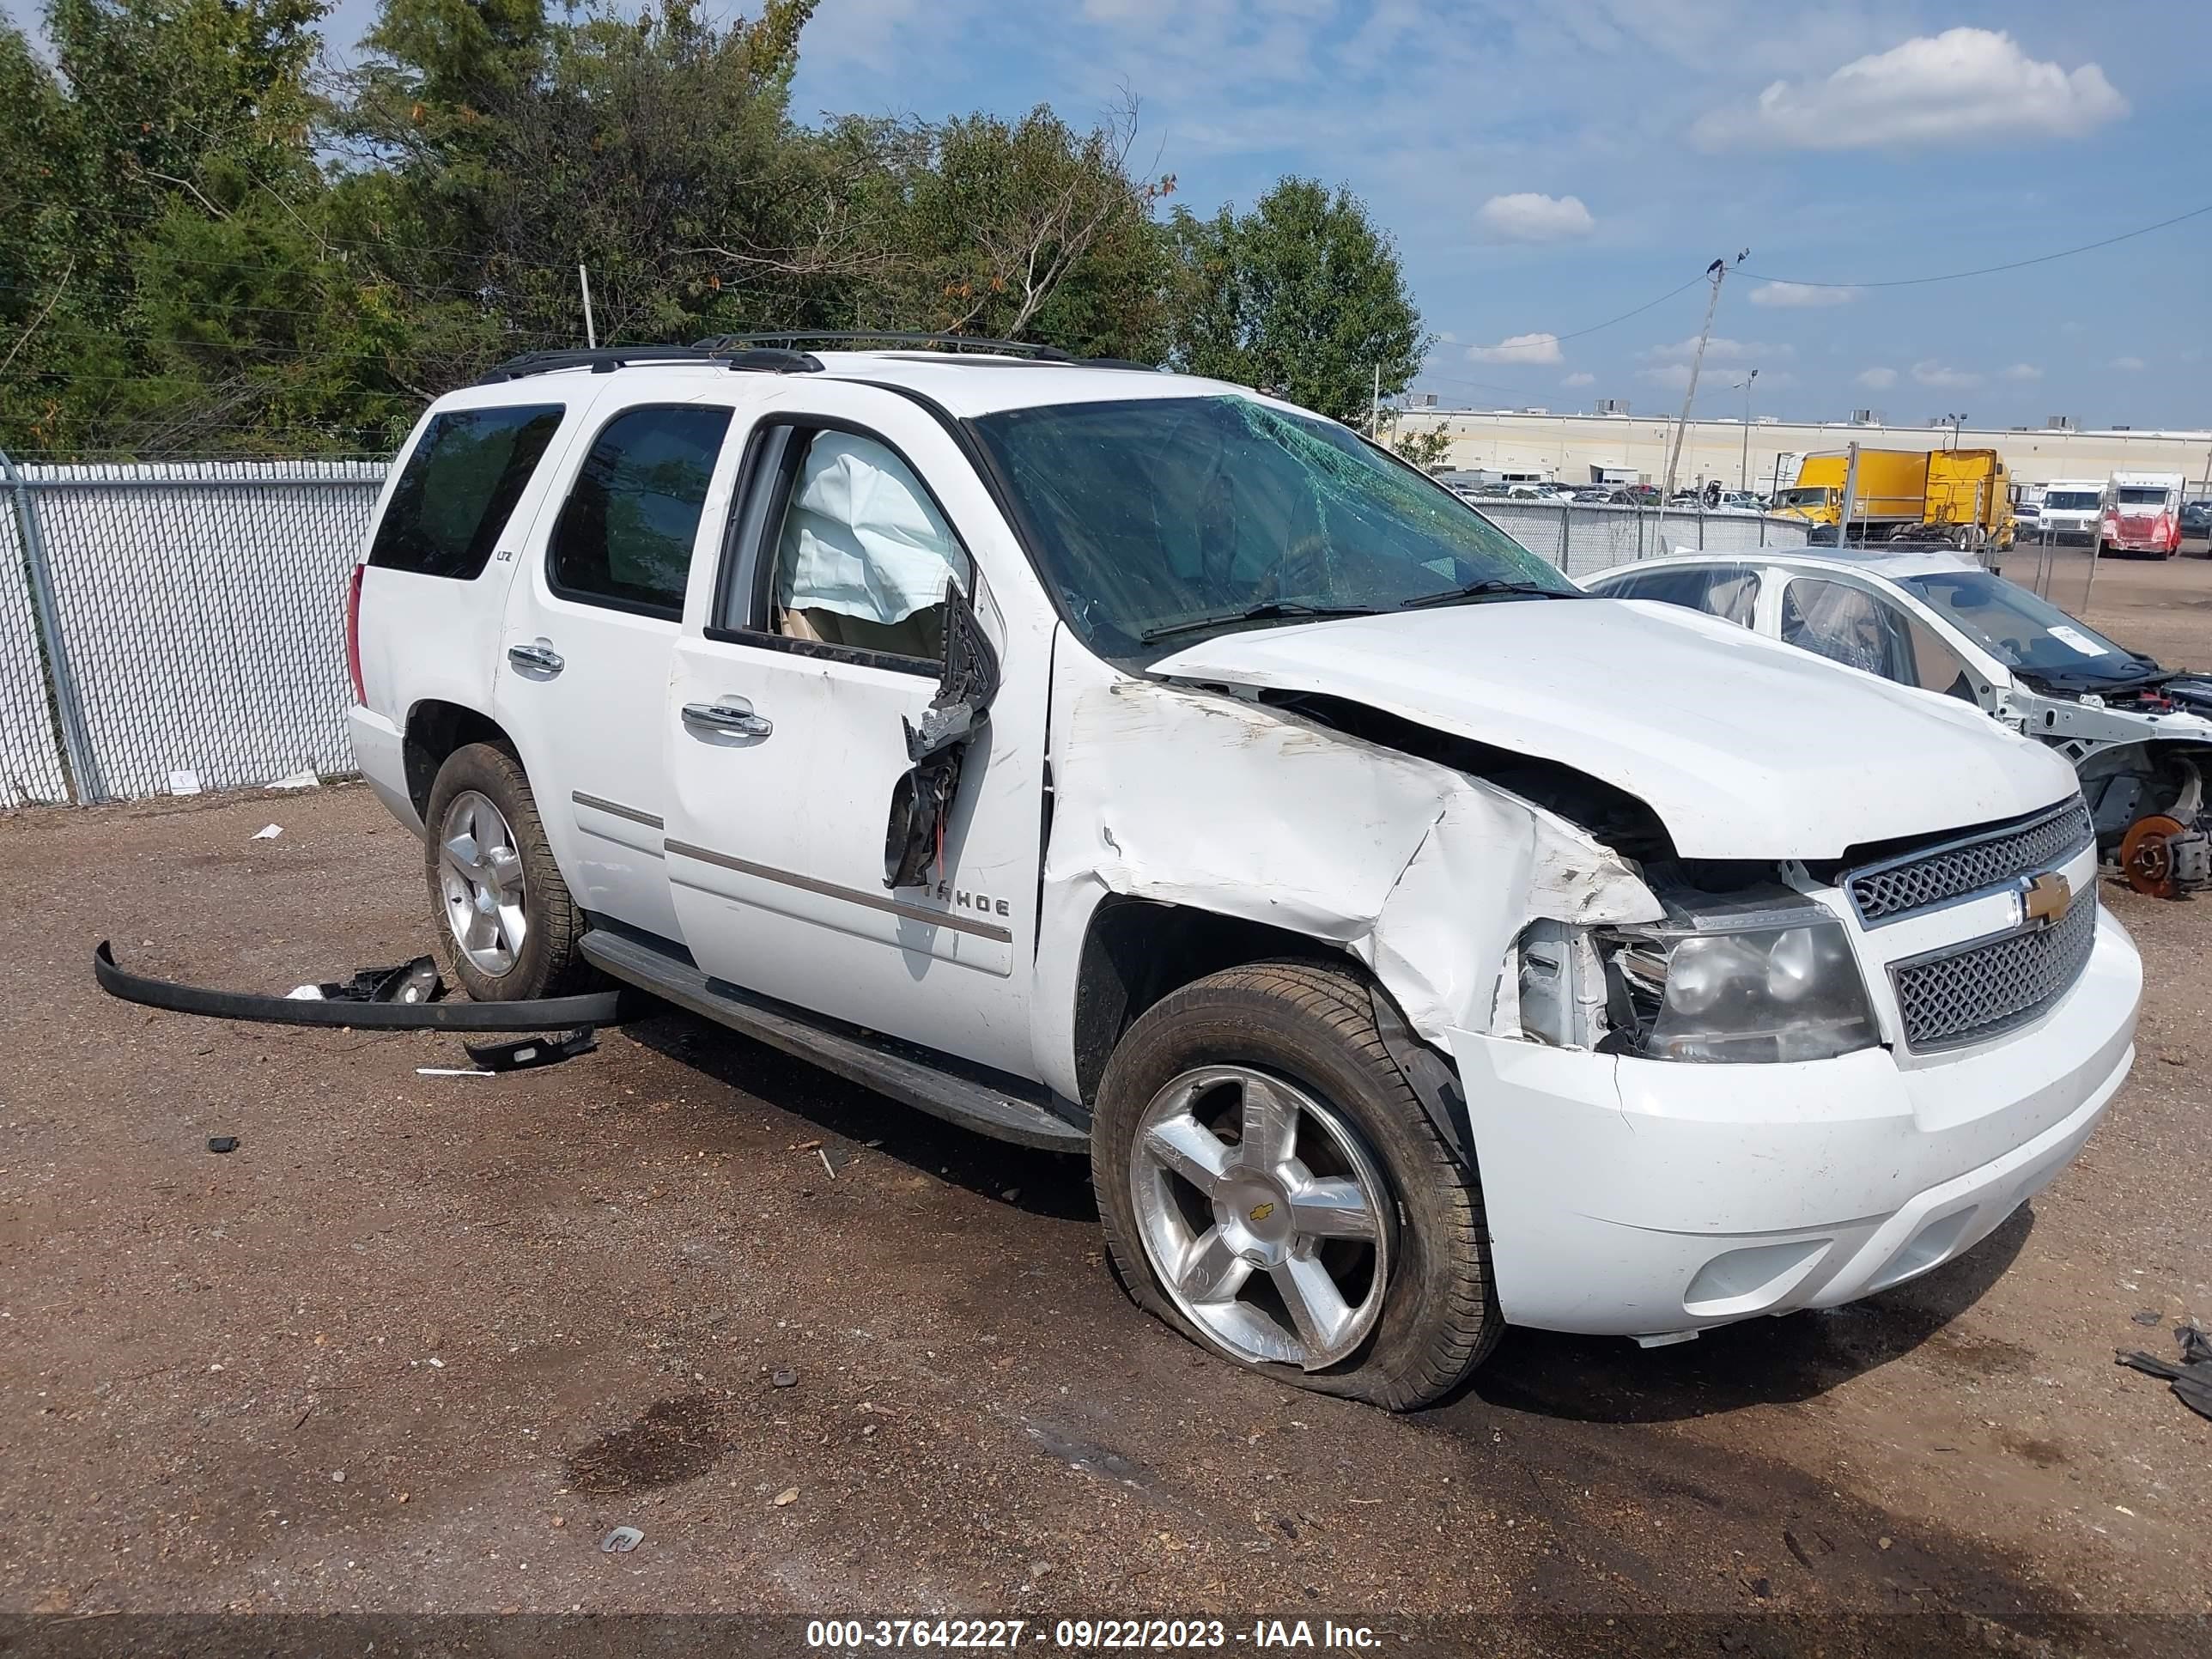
column 1484, row 589
column 1266, row 610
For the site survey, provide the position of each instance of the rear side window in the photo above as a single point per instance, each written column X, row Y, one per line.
column 625, row 533
column 458, row 488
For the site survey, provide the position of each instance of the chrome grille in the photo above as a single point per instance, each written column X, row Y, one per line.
column 1980, row 990
column 1884, row 891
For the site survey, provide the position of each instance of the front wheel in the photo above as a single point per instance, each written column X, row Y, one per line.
column 1270, row 1187
column 507, row 928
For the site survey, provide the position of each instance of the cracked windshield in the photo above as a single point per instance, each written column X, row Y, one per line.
column 1160, row 519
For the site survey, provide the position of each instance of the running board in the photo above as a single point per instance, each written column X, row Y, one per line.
column 1006, row 1110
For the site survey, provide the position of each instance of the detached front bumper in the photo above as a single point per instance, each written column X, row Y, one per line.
column 1643, row 1198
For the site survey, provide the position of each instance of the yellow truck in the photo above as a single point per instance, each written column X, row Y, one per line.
column 1893, row 492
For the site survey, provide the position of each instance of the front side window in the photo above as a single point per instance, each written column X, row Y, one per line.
column 459, row 489
column 2072, row 500
column 864, row 559
column 1845, row 624
column 625, row 534
column 2141, row 496
column 1157, row 519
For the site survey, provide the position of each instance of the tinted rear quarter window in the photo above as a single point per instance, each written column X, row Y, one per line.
column 625, row 533
column 459, row 486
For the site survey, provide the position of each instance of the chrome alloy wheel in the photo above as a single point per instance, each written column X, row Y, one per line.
column 480, row 869
column 1262, row 1215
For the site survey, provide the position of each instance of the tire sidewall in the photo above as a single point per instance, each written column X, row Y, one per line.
column 1433, row 1219
column 498, row 776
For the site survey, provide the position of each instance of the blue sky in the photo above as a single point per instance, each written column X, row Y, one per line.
column 1547, row 165
column 2043, row 125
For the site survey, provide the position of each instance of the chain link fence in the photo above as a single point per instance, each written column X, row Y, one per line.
column 180, row 625
column 176, row 626
column 1584, row 538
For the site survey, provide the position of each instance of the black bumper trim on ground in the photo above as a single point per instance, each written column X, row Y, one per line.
column 543, row 1014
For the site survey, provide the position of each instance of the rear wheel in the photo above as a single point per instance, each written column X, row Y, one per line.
column 1270, row 1187
column 506, row 926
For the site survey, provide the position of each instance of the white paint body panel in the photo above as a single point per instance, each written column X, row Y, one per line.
column 2080, row 732
column 810, row 801
column 1612, row 1184
column 1745, row 748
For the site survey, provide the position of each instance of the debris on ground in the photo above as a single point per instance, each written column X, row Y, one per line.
column 788, row 1495
column 303, row 779
column 621, row 1541
column 410, row 981
column 268, row 832
column 524, row 1052
column 222, row 1143
column 785, row 1379
column 2192, row 1378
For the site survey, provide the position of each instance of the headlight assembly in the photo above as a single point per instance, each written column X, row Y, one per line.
column 1764, row 978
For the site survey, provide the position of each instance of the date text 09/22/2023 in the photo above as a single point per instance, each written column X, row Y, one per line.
column 1098, row 1635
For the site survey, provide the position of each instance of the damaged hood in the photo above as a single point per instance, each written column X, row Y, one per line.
column 1745, row 748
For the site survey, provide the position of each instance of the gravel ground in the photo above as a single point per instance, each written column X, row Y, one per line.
column 419, row 1342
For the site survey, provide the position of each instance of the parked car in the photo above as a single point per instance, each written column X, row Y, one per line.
column 1141, row 766
column 2140, row 736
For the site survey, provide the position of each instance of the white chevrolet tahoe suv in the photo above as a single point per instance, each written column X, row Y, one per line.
column 1138, row 765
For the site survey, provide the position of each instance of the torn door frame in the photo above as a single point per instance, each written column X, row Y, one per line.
column 1197, row 797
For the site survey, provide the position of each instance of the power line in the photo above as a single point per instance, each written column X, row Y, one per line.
column 1987, row 270
column 1544, row 342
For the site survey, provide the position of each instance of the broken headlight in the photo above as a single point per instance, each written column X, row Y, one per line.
column 1746, row 978
column 1771, row 987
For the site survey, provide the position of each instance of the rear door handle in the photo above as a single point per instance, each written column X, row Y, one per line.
column 537, row 657
column 730, row 715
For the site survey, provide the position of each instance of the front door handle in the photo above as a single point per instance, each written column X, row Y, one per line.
column 730, row 715
column 537, row 657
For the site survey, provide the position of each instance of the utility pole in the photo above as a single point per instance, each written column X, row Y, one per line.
column 591, row 332
column 1718, row 272
column 1743, row 471
column 1375, row 408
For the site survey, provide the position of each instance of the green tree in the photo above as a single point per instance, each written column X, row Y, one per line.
column 1025, row 230
column 1303, row 295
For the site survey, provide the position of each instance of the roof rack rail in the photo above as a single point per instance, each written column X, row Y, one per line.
column 604, row 360
column 890, row 337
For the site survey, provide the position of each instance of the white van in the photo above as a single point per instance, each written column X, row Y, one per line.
column 2071, row 510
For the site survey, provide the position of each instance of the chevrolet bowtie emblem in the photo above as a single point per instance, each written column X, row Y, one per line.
column 2046, row 900
column 1261, row 1211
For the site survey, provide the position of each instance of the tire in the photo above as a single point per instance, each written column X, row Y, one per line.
column 1312, row 1027
column 549, row 962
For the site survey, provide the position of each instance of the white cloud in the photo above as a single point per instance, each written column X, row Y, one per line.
column 1718, row 349
column 1519, row 349
column 1963, row 84
column 2023, row 372
column 1673, row 376
column 1800, row 295
column 1928, row 372
column 1527, row 217
column 2130, row 364
column 1579, row 379
column 1876, row 380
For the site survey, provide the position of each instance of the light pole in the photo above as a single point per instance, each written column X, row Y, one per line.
column 1743, row 470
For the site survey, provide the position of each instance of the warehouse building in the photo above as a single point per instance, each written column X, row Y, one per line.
column 1613, row 446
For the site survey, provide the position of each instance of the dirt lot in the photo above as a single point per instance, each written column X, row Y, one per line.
column 2163, row 607
column 419, row 1342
